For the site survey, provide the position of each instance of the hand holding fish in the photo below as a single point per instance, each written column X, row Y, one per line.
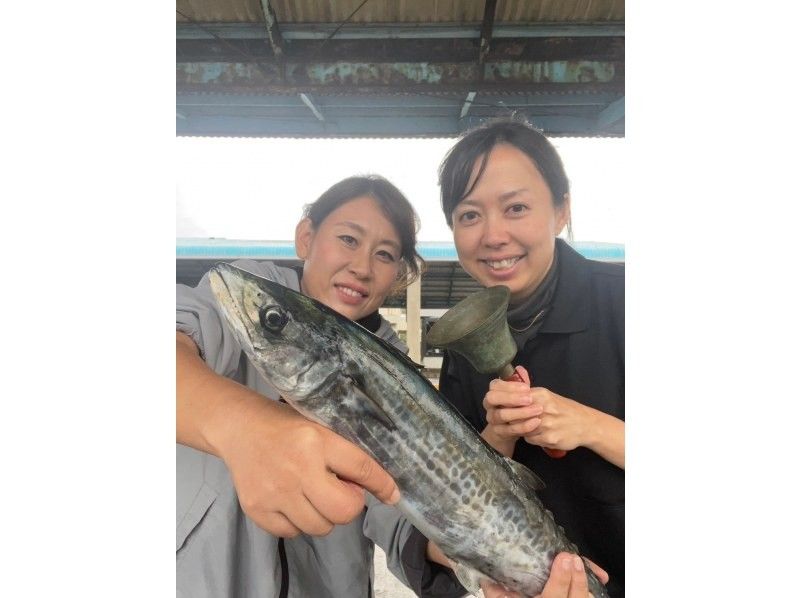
column 567, row 580
column 291, row 475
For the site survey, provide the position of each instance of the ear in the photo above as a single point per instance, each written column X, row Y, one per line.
column 563, row 214
column 303, row 236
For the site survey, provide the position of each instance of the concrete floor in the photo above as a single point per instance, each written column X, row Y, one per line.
column 386, row 584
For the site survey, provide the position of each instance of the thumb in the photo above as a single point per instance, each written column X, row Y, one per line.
column 523, row 373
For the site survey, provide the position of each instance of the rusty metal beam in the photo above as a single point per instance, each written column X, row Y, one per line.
column 359, row 77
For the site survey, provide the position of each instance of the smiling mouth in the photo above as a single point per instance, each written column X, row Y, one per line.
column 350, row 292
column 502, row 264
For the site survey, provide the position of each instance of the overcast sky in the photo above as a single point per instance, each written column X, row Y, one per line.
column 256, row 188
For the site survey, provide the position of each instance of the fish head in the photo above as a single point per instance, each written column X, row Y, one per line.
column 277, row 330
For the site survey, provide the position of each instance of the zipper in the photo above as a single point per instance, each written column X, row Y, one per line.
column 284, row 591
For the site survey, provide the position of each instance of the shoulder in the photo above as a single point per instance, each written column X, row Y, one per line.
column 387, row 333
column 280, row 274
column 607, row 273
column 607, row 281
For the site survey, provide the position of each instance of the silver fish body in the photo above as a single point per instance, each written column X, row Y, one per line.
column 477, row 506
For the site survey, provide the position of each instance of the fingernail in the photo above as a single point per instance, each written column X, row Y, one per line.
column 578, row 564
column 395, row 497
column 565, row 564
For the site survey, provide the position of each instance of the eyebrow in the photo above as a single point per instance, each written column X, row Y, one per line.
column 360, row 229
column 512, row 193
column 503, row 197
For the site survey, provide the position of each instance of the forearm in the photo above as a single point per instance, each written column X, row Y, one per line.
column 207, row 404
column 606, row 437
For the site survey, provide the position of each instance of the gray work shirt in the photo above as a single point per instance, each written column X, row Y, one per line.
column 220, row 551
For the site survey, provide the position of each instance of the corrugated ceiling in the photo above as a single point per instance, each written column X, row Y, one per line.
column 405, row 68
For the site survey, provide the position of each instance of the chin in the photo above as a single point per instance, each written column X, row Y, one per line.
column 350, row 312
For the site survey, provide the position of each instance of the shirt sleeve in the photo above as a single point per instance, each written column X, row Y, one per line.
column 405, row 548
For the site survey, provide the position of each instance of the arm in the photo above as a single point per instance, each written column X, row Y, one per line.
column 286, row 469
column 405, row 552
column 544, row 418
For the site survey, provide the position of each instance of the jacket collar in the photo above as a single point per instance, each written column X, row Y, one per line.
column 571, row 307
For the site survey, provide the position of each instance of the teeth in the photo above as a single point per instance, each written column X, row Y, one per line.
column 502, row 264
column 351, row 292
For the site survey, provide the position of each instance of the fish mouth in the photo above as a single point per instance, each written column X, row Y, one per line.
column 226, row 297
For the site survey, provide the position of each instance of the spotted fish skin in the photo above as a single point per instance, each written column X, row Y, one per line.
column 480, row 508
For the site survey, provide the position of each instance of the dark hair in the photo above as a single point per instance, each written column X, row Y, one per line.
column 456, row 168
column 393, row 204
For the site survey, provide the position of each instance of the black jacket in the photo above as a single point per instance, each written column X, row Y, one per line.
column 579, row 353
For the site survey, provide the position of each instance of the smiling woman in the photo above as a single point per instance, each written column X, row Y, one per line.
column 505, row 193
column 357, row 239
column 506, row 225
column 267, row 499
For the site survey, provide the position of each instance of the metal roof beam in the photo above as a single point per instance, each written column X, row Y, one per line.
column 409, row 102
column 364, row 126
column 309, row 102
column 467, row 103
column 486, row 29
column 612, row 114
column 402, row 50
column 397, row 31
column 273, row 31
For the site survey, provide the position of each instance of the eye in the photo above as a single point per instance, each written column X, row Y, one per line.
column 468, row 217
column 517, row 209
column 273, row 318
column 386, row 256
column 348, row 240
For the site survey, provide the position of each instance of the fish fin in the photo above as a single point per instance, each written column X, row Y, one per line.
column 526, row 475
column 468, row 577
column 374, row 409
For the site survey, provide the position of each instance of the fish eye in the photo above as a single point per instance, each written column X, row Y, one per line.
column 273, row 318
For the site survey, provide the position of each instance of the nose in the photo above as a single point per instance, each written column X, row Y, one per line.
column 360, row 263
column 495, row 233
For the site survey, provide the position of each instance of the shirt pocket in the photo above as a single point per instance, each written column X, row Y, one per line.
column 194, row 514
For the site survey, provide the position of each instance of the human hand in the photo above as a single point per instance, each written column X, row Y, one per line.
column 542, row 417
column 563, row 423
column 567, row 580
column 293, row 475
column 510, row 412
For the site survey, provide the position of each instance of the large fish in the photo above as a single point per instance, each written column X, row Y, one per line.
column 480, row 508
